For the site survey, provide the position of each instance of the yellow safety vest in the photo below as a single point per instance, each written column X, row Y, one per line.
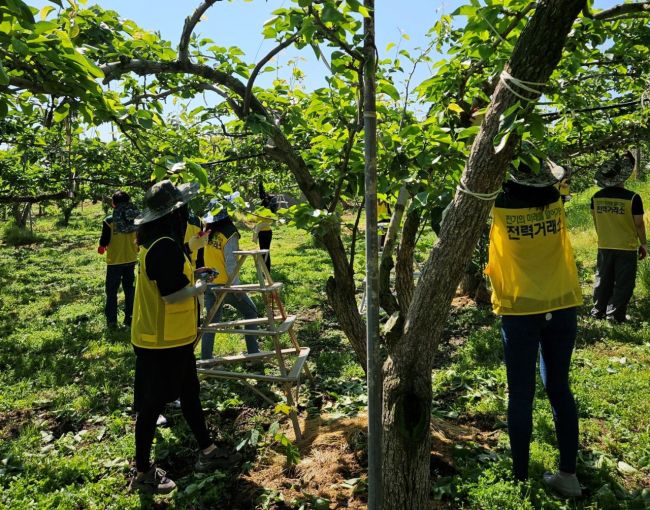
column 531, row 265
column 191, row 231
column 156, row 324
column 263, row 226
column 122, row 248
column 382, row 211
column 213, row 256
column 615, row 224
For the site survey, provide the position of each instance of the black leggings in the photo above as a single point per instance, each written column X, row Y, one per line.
column 264, row 239
column 162, row 375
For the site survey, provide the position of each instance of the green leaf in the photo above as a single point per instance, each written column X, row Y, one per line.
column 4, row 78
column 61, row 112
column 386, row 87
column 500, row 142
column 199, row 173
column 455, row 108
column 45, row 11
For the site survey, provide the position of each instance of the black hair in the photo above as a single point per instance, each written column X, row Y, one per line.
column 120, row 197
column 171, row 225
column 225, row 226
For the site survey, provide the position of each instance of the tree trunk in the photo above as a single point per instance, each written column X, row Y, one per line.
column 20, row 214
column 386, row 299
column 340, row 288
column 66, row 210
column 407, row 371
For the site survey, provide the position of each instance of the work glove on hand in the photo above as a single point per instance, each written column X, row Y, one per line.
column 186, row 292
column 197, row 242
column 101, row 250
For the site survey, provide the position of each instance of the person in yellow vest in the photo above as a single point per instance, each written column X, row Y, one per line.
column 618, row 217
column 535, row 290
column 262, row 233
column 163, row 334
column 193, row 240
column 220, row 254
column 117, row 241
column 383, row 219
column 564, row 187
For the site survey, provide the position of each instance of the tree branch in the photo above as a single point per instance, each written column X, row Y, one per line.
column 188, row 28
column 234, row 158
column 331, row 36
column 618, row 11
column 355, row 231
column 258, row 68
column 13, row 199
column 551, row 116
column 343, row 167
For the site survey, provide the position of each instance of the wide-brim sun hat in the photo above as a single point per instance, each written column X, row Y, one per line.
column 163, row 198
column 615, row 171
column 549, row 174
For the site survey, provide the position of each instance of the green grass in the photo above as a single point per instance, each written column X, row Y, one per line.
column 66, row 424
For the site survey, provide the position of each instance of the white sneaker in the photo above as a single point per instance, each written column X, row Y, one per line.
column 161, row 421
column 564, row 484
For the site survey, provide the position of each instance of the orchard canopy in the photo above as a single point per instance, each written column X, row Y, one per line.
column 572, row 77
column 71, row 66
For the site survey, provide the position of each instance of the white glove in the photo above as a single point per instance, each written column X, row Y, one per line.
column 197, row 242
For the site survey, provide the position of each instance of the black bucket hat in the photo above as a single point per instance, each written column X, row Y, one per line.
column 615, row 171
column 163, row 198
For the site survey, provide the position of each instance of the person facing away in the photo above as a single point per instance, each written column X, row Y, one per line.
column 118, row 242
column 219, row 254
column 535, row 290
column 618, row 217
column 163, row 334
column 262, row 232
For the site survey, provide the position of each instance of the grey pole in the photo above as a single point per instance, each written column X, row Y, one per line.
column 372, row 267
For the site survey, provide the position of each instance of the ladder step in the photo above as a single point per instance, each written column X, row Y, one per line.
column 294, row 375
column 244, row 322
column 226, row 374
column 251, row 252
column 281, row 328
column 247, row 287
column 236, row 358
column 203, row 367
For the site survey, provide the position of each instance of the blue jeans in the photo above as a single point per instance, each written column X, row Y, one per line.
column 522, row 337
column 116, row 274
column 244, row 305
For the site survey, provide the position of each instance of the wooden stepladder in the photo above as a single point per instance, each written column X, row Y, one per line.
column 290, row 362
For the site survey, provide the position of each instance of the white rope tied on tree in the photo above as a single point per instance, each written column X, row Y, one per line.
column 528, row 86
column 462, row 187
column 645, row 99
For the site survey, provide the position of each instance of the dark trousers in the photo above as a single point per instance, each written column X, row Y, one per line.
column 523, row 335
column 264, row 239
column 117, row 274
column 614, row 283
column 161, row 376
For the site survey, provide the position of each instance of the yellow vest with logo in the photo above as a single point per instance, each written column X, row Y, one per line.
column 191, row 231
column 213, row 256
column 531, row 265
column 615, row 224
column 156, row 324
column 122, row 248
